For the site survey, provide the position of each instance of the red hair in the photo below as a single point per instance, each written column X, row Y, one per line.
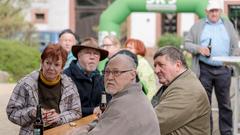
column 138, row 45
column 54, row 51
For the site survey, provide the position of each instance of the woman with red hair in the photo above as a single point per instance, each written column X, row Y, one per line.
column 55, row 92
column 144, row 69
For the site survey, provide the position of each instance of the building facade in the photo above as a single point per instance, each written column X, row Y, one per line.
column 82, row 16
column 157, row 24
column 52, row 15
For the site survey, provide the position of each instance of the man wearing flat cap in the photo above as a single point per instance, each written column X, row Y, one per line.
column 84, row 73
column 210, row 37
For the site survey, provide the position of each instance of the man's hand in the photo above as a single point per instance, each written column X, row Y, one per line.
column 204, row 51
column 97, row 111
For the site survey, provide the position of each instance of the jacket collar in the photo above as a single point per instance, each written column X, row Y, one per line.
column 32, row 81
column 176, row 77
column 78, row 72
column 220, row 21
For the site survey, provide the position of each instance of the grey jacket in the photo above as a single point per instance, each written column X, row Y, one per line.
column 128, row 113
column 192, row 41
column 24, row 100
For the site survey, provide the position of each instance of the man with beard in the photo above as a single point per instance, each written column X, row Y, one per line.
column 129, row 112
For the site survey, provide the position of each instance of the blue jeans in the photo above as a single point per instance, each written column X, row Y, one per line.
column 219, row 77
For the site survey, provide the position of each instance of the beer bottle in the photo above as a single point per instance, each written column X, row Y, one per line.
column 103, row 104
column 38, row 124
column 209, row 47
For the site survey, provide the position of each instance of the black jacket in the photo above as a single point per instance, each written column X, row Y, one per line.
column 89, row 89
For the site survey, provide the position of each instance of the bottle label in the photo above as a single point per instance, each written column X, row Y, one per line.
column 37, row 131
column 104, row 98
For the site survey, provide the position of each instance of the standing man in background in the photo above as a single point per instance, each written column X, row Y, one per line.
column 67, row 38
column 220, row 34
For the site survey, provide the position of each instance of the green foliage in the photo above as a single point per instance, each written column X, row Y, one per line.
column 18, row 59
column 12, row 19
column 170, row 39
column 188, row 58
column 176, row 41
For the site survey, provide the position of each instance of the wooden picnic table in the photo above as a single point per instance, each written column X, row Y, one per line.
column 63, row 129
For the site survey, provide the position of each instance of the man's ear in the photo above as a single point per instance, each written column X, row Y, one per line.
column 221, row 11
column 179, row 64
column 206, row 12
column 133, row 74
column 78, row 54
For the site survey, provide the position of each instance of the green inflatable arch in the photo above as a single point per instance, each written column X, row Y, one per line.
column 115, row 14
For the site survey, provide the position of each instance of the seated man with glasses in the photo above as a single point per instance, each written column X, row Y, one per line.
column 129, row 112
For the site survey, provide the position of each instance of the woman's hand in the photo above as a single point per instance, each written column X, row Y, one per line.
column 50, row 116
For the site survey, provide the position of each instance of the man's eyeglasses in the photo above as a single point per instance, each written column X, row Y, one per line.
column 115, row 73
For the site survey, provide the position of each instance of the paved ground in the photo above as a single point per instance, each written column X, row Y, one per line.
column 215, row 110
column 8, row 128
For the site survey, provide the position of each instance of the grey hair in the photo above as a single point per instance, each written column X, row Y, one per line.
column 172, row 53
column 131, row 63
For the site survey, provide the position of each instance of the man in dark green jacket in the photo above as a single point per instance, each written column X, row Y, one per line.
column 181, row 104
